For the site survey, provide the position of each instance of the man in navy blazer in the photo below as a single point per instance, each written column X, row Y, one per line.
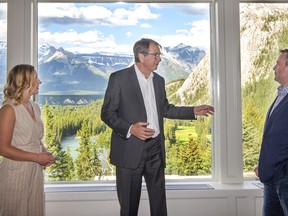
column 272, row 167
column 134, row 106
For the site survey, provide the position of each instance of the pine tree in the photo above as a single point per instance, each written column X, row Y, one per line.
column 87, row 162
column 252, row 129
column 95, row 162
column 172, row 160
column 191, row 158
column 57, row 171
column 69, row 171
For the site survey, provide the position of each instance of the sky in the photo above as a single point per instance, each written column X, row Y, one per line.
column 3, row 21
column 115, row 27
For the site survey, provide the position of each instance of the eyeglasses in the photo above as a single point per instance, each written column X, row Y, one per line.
column 156, row 55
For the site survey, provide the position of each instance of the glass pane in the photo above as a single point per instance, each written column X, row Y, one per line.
column 3, row 47
column 264, row 31
column 80, row 45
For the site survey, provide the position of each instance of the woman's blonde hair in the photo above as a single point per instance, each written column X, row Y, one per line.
column 19, row 78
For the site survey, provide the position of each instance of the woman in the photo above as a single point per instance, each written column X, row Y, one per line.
column 24, row 155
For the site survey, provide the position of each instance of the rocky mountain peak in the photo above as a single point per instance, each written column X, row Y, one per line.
column 260, row 28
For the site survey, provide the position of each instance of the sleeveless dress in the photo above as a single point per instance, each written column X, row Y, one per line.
column 22, row 182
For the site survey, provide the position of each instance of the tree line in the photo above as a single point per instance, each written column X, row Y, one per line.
column 183, row 158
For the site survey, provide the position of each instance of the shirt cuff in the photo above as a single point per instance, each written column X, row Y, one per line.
column 129, row 133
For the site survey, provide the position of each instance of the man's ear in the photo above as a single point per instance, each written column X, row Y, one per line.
column 141, row 57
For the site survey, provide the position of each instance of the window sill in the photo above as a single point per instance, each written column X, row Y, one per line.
column 98, row 187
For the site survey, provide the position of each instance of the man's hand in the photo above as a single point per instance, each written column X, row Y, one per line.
column 141, row 131
column 203, row 110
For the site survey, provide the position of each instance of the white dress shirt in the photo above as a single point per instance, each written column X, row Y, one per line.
column 148, row 93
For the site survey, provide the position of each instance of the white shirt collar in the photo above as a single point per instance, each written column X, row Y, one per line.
column 140, row 74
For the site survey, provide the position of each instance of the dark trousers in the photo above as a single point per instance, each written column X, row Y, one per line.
column 276, row 198
column 129, row 182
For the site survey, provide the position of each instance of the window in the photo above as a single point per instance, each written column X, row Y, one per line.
column 263, row 33
column 227, row 163
column 80, row 45
column 3, row 47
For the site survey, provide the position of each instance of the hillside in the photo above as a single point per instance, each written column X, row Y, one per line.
column 264, row 30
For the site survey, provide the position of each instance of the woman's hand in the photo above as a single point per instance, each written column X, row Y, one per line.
column 45, row 159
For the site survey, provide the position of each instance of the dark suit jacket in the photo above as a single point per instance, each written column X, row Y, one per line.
column 274, row 149
column 124, row 105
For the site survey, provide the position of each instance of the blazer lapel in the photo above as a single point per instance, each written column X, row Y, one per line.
column 133, row 80
column 157, row 94
column 275, row 112
column 268, row 114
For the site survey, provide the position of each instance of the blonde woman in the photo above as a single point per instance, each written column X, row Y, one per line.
column 24, row 155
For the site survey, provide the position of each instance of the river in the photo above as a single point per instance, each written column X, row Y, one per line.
column 72, row 142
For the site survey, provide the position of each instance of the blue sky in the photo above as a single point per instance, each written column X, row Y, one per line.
column 3, row 21
column 114, row 27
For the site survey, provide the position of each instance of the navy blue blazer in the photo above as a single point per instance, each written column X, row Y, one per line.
column 124, row 105
column 274, row 149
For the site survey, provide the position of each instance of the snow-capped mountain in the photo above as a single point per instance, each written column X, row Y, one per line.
column 73, row 73
column 67, row 73
column 186, row 54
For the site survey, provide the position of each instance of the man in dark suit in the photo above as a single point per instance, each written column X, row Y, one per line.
column 273, row 161
column 134, row 106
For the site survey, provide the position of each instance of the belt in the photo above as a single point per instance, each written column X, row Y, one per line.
column 152, row 139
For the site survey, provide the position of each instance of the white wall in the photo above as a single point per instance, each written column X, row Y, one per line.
column 225, row 200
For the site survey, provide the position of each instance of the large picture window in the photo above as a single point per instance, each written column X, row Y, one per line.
column 80, row 45
column 264, row 31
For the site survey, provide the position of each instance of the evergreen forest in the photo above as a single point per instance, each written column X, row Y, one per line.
column 188, row 144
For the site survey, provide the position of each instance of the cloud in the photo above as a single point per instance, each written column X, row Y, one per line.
column 201, row 9
column 193, row 9
column 3, row 21
column 68, row 13
column 197, row 36
column 95, row 13
column 3, row 11
column 129, row 34
column 106, row 39
column 58, row 10
column 145, row 25
column 85, row 42
column 3, row 30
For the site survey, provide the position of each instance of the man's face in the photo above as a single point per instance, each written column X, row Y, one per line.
column 152, row 59
column 281, row 70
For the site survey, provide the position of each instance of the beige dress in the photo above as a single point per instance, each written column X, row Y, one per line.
column 21, row 182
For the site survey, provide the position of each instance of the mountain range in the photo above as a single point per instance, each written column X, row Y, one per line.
column 69, row 73
column 64, row 72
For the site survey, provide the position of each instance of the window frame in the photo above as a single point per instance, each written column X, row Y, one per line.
column 225, row 64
